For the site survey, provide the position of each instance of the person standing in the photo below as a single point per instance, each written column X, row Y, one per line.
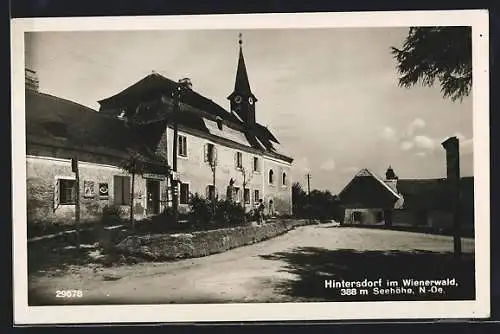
column 260, row 212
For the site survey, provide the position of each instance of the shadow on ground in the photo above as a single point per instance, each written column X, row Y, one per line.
column 312, row 266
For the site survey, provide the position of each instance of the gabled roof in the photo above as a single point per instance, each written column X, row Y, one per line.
column 194, row 111
column 57, row 122
column 155, row 85
column 365, row 172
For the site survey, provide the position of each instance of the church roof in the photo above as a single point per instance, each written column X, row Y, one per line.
column 241, row 84
column 196, row 112
column 154, row 85
column 60, row 123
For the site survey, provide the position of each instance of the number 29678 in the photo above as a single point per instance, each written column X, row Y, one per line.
column 69, row 293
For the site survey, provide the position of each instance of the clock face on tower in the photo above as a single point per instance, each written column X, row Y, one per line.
column 237, row 99
column 250, row 100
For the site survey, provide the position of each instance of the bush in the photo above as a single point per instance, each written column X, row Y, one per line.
column 111, row 215
column 200, row 211
column 229, row 213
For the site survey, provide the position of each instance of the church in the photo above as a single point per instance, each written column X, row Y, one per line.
column 217, row 150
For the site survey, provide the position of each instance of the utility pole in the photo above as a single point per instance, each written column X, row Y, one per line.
column 182, row 85
column 308, row 185
column 75, row 169
column 309, row 194
column 451, row 145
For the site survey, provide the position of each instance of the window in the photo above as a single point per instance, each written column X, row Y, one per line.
column 246, row 196
column 219, row 122
column 236, row 194
column 283, row 179
column 122, row 189
column 210, row 192
column 210, row 153
column 256, row 195
column 182, row 146
column 239, row 160
column 255, row 164
column 67, row 191
column 356, row 216
column 271, row 176
column 184, row 193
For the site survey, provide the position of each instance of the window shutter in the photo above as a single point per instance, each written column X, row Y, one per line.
column 126, row 190
column 205, row 147
column 236, row 159
column 56, row 194
column 118, row 190
column 215, row 155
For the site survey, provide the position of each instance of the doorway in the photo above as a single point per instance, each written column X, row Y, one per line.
column 153, row 197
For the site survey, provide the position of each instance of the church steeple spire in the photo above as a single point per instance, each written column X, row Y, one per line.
column 242, row 85
column 242, row 99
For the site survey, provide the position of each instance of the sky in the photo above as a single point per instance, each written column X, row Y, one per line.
column 330, row 96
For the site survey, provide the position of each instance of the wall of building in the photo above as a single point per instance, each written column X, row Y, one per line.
column 195, row 171
column 366, row 216
column 41, row 175
column 279, row 193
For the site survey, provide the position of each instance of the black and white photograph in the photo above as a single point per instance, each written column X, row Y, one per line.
column 251, row 167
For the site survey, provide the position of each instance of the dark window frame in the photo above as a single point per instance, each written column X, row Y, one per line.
column 64, row 188
column 182, row 146
column 183, row 196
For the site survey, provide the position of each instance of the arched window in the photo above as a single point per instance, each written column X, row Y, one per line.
column 283, row 179
column 271, row 176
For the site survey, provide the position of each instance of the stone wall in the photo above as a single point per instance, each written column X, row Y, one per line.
column 197, row 244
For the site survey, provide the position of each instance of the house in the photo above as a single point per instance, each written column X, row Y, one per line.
column 370, row 199
column 218, row 150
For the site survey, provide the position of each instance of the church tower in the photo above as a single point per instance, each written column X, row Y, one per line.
column 242, row 101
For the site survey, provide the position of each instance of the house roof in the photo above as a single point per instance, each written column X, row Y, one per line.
column 154, row 85
column 431, row 193
column 61, row 123
column 196, row 112
column 366, row 172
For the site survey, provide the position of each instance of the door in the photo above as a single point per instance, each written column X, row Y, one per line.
column 153, row 191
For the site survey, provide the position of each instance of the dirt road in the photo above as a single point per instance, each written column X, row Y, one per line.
column 287, row 268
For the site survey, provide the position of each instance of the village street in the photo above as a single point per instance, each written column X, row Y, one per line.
column 290, row 267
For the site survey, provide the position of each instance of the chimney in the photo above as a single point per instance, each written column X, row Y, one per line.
column 31, row 80
column 451, row 145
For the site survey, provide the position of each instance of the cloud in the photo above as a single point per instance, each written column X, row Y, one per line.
column 389, row 134
column 407, row 145
column 460, row 136
column 328, row 165
column 420, row 154
column 416, row 124
column 466, row 146
column 424, row 142
column 302, row 165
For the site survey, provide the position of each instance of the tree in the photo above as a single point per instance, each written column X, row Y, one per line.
column 212, row 161
column 134, row 165
column 437, row 53
column 299, row 200
column 247, row 177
